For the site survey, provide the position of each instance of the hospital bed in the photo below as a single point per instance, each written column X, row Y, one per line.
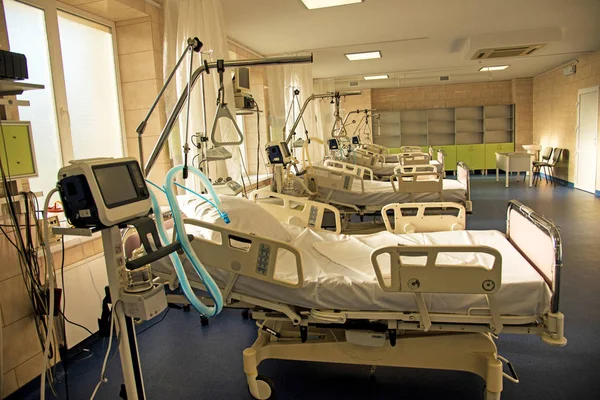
column 383, row 166
column 434, row 300
column 345, row 186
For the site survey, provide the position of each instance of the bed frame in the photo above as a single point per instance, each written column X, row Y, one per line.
column 424, row 217
column 357, row 169
column 382, row 338
column 414, row 158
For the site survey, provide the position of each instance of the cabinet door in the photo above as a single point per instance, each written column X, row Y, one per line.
column 449, row 156
column 490, row 152
column 463, row 153
column 477, row 156
column 18, row 147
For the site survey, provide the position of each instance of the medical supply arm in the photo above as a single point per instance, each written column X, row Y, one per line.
column 206, row 68
column 311, row 98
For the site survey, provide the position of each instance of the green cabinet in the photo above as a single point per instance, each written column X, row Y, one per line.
column 20, row 158
column 492, row 148
column 394, row 150
column 471, row 154
column 449, row 156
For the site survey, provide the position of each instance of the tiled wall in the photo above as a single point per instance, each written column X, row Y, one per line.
column 460, row 95
column 140, row 67
column 260, row 94
column 140, row 43
column 522, row 97
column 555, row 109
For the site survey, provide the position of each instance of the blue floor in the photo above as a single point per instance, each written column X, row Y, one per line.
column 183, row 360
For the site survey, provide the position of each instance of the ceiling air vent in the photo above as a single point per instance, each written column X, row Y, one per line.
column 506, row 52
column 354, row 83
column 444, row 78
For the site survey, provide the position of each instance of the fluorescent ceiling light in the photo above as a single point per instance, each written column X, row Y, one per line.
column 494, row 68
column 367, row 55
column 373, row 77
column 313, row 4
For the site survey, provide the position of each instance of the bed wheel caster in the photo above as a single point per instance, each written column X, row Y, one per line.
column 186, row 308
column 303, row 333
column 246, row 313
column 266, row 388
column 203, row 320
column 392, row 335
column 487, row 395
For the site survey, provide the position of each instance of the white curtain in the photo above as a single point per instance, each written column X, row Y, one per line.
column 324, row 109
column 284, row 108
column 202, row 19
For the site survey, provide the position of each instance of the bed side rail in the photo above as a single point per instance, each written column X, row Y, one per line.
column 336, row 180
column 434, row 277
column 417, row 182
column 375, row 148
column 357, row 169
column 409, row 169
column 538, row 240
column 424, row 217
column 414, row 158
column 440, row 157
column 245, row 254
column 410, row 149
column 297, row 211
column 367, row 158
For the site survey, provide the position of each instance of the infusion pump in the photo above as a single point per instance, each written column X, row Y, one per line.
column 103, row 192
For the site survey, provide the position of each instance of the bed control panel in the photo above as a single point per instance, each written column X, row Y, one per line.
column 312, row 217
column 262, row 264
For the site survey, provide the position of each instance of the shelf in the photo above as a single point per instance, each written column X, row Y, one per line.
column 413, row 122
column 441, row 120
column 8, row 87
column 413, row 134
column 459, row 132
column 469, row 119
column 498, row 118
column 245, row 111
column 441, row 133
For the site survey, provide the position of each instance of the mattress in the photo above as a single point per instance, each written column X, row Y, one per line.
column 381, row 193
column 388, row 168
column 339, row 275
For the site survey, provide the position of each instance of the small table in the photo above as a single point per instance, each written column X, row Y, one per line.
column 514, row 162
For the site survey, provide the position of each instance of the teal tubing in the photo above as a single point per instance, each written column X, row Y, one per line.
column 211, row 287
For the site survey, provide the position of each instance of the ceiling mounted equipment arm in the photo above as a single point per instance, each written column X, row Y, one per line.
column 313, row 97
column 164, row 135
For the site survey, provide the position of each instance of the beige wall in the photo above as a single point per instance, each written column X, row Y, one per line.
column 140, row 43
column 555, row 109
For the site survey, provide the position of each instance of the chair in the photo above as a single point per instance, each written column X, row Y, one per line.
column 549, row 164
column 545, row 155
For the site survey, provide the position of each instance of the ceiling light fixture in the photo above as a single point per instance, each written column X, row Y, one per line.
column 365, row 55
column 314, row 4
column 494, row 68
column 374, row 77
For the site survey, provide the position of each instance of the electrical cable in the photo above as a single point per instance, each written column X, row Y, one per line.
column 51, row 278
column 258, row 142
column 156, row 323
column 112, row 327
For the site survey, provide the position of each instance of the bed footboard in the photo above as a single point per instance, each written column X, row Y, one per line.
column 463, row 175
column 297, row 211
column 358, row 170
column 424, row 217
column 409, row 169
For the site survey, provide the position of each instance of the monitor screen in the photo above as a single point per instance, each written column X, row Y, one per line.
column 355, row 140
column 333, row 144
column 243, row 78
column 116, row 184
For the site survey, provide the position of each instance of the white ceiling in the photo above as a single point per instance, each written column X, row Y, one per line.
column 419, row 39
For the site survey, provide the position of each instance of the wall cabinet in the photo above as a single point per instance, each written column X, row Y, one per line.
column 469, row 134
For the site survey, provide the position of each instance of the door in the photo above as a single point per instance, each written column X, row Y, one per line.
column 587, row 138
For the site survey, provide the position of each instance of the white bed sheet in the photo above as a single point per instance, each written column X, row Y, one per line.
column 349, row 282
column 381, row 193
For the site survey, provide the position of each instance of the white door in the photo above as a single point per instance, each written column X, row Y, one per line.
column 587, row 138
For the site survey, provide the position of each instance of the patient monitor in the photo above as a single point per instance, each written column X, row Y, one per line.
column 278, row 153
column 103, row 192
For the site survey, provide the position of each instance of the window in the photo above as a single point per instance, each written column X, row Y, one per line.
column 78, row 114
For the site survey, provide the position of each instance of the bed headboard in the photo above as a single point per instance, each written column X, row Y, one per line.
column 408, row 169
column 296, row 210
column 424, row 217
column 415, row 158
column 463, row 175
column 538, row 240
column 418, row 182
column 440, row 157
column 359, row 170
